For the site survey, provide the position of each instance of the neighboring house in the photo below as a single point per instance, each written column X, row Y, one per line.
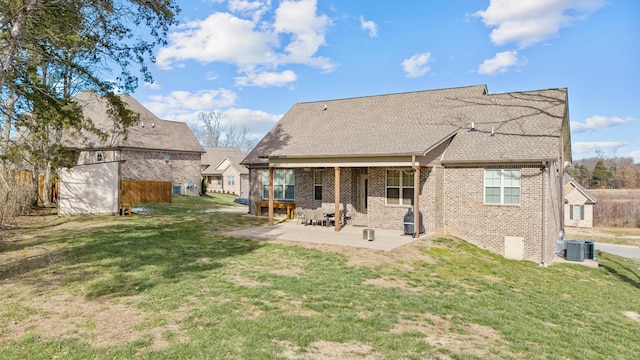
column 222, row 172
column 578, row 204
column 485, row 167
column 153, row 149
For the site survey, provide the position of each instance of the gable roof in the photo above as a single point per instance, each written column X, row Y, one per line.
column 569, row 180
column 527, row 126
column 151, row 133
column 215, row 156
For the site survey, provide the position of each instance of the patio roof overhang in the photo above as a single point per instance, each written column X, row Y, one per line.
column 341, row 161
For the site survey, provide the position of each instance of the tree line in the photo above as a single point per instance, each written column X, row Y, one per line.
column 606, row 171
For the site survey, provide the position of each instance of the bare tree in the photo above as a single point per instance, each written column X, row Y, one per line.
column 211, row 132
column 209, row 128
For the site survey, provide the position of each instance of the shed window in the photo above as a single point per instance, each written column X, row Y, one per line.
column 399, row 187
column 167, row 159
column 502, row 186
column 99, row 157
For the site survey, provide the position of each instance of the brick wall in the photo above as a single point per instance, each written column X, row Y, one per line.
column 150, row 165
column 486, row 225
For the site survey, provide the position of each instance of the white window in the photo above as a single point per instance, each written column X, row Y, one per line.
column 99, row 157
column 317, row 184
column 399, row 187
column 218, row 180
column 284, row 182
column 502, row 186
column 576, row 212
column 167, row 159
column 231, row 180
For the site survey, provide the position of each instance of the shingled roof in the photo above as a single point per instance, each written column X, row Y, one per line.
column 213, row 156
column 151, row 133
column 526, row 126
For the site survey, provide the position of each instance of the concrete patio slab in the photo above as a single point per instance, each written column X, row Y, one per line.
column 349, row 235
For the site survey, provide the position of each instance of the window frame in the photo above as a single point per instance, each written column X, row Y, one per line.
column 167, row 159
column 284, row 182
column 505, row 183
column 572, row 212
column 231, row 180
column 405, row 176
column 317, row 187
column 99, row 157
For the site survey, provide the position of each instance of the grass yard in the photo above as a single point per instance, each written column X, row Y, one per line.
column 168, row 285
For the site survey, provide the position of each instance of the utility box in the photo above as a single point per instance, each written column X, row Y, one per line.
column 589, row 250
column 575, row 250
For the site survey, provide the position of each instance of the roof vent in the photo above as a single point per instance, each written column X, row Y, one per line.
column 153, row 125
column 473, row 126
column 493, row 132
column 141, row 124
column 325, row 107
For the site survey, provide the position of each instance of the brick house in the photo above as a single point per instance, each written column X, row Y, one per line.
column 154, row 149
column 578, row 204
column 485, row 167
column 222, row 172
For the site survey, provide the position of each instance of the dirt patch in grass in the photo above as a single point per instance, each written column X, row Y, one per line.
column 632, row 315
column 328, row 350
column 388, row 282
column 445, row 336
column 99, row 323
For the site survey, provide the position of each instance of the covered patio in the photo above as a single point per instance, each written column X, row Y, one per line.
column 349, row 235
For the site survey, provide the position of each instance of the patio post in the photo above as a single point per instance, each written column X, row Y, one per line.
column 270, row 196
column 416, row 202
column 337, row 199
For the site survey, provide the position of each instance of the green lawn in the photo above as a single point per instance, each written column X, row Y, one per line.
column 167, row 285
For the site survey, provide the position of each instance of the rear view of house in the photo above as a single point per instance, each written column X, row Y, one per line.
column 485, row 167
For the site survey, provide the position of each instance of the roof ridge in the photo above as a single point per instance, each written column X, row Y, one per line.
column 396, row 93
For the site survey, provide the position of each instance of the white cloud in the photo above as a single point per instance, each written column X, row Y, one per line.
column 499, row 64
column 307, row 31
column 635, row 155
column 152, row 86
column 255, row 45
column 582, row 148
column 257, row 122
column 527, row 22
column 417, row 65
column 265, row 79
column 220, row 37
column 179, row 103
column 369, row 26
column 598, row 122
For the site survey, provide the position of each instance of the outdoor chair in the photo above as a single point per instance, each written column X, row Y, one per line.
column 319, row 217
column 308, row 216
column 300, row 216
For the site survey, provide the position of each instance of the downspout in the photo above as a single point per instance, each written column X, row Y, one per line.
column 416, row 198
column 544, row 227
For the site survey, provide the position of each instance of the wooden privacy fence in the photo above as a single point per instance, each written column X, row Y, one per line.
column 145, row 192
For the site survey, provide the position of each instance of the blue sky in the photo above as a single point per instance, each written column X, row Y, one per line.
column 255, row 59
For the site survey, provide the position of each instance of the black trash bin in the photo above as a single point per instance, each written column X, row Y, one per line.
column 409, row 224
